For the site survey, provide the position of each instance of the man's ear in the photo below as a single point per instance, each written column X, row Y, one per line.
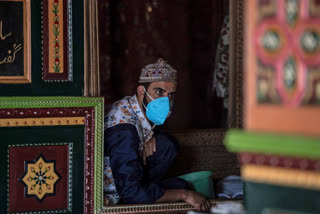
column 140, row 92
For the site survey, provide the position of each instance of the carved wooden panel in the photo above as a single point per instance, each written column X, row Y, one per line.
column 283, row 66
column 57, row 40
column 204, row 150
column 51, row 151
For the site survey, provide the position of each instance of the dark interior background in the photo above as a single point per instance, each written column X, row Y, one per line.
column 183, row 32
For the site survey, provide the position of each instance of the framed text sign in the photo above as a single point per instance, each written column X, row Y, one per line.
column 15, row 41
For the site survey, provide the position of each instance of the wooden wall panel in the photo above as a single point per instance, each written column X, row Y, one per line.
column 282, row 88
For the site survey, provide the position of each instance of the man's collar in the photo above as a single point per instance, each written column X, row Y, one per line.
column 146, row 128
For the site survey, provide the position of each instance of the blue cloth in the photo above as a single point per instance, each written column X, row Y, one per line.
column 230, row 187
column 136, row 183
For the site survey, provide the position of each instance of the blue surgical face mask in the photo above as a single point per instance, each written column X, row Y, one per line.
column 157, row 110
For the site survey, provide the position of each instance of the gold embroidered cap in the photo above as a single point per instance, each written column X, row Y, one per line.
column 160, row 71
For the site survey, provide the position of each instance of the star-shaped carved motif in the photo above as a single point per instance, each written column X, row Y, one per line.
column 40, row 178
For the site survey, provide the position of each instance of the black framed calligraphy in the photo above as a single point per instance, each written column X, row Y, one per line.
column 15, row 41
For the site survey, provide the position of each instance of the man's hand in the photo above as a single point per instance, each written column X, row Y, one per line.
column 197, row 201
column 191, row 197
column 148, row 149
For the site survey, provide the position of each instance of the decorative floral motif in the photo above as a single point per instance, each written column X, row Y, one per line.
column 288, row 53
column 40, row 178
column 126, row 110
column 292, row 11
column 56, row 25
column 109, row 186
column 310, row 41
column 290, row 73
column 271, row 41
column 57, row 40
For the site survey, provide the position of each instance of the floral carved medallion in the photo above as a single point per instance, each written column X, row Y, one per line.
column 40, row 178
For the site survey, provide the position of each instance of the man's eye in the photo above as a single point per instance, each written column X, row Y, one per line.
column 171, row 96
column 159, row 93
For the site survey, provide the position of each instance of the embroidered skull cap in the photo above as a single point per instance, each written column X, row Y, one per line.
column 159, row 71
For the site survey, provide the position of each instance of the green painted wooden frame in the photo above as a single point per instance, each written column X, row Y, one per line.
column 277, row 144
column 49, row 102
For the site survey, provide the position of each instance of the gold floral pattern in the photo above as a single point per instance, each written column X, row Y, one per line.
column 40, row 178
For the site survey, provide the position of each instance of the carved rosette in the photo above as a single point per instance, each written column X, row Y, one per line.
column 40, row 178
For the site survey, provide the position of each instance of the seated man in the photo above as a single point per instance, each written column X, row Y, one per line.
column 137, row 156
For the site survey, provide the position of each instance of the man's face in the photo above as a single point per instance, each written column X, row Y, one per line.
column 161, row 89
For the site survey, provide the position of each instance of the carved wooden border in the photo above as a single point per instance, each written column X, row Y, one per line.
column 202, row 150
column 207, row 137
column 235, row 117
column 88, row 114
column 67, row 52
column 168, row 208
column 89, row 108
column 69, row 183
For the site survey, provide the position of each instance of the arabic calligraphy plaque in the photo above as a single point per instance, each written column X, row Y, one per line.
column 15, row 54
